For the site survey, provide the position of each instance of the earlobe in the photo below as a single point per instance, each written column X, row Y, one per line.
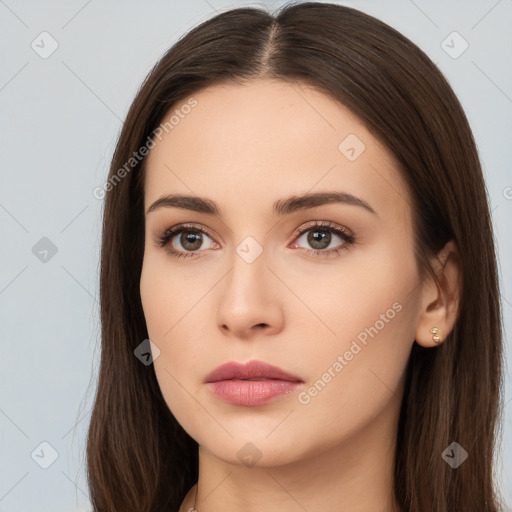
column 440, row 300
column 436, row 335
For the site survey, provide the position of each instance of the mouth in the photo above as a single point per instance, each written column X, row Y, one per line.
column 251, row 384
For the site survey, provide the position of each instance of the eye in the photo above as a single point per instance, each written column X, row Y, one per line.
column 321, row 235
column 186, row 245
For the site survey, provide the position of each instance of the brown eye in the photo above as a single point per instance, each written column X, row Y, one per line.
column 189, row 242
column 319, row 237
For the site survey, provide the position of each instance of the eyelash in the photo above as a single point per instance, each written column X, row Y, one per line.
column 348, row 238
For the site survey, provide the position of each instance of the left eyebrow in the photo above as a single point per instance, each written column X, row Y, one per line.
column 281, row 207
column 306, row 201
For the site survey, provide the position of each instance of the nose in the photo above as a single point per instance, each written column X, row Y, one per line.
column 249, row 300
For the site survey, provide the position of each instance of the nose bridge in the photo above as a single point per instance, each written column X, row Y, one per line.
column 245, row 300
column 249, row 262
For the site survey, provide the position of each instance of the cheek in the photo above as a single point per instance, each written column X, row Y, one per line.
column 348, row 297
column 167, row 296
column 358, row 366
column 168, row 314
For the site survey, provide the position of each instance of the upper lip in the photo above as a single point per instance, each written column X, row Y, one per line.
column 251, row 370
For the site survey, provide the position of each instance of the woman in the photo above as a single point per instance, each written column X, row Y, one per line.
column 299, row 301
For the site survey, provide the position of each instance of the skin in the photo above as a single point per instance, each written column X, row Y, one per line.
column 244, row 147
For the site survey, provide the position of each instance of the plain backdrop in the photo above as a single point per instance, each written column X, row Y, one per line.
column 69, row 71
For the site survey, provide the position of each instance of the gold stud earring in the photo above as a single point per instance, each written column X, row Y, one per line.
column 435, row 338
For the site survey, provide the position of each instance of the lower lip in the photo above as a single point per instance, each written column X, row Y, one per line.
column 251, row 392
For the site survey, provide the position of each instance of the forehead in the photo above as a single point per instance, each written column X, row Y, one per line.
column 249, row 145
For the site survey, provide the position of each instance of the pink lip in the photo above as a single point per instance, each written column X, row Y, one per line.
column 251, row 384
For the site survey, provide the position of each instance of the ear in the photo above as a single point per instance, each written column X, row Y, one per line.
column 440, row 302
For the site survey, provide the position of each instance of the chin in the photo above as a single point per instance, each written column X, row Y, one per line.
column 255, row 448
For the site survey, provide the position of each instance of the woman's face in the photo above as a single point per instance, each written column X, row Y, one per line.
column 253, row 278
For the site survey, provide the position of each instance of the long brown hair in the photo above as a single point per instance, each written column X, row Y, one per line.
column 138, row 457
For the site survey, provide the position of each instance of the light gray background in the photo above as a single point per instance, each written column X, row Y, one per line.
column 60, row 119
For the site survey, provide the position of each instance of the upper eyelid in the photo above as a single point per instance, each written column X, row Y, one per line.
column 321, row 224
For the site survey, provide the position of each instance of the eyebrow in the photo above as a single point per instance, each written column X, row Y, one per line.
column 280, row 207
